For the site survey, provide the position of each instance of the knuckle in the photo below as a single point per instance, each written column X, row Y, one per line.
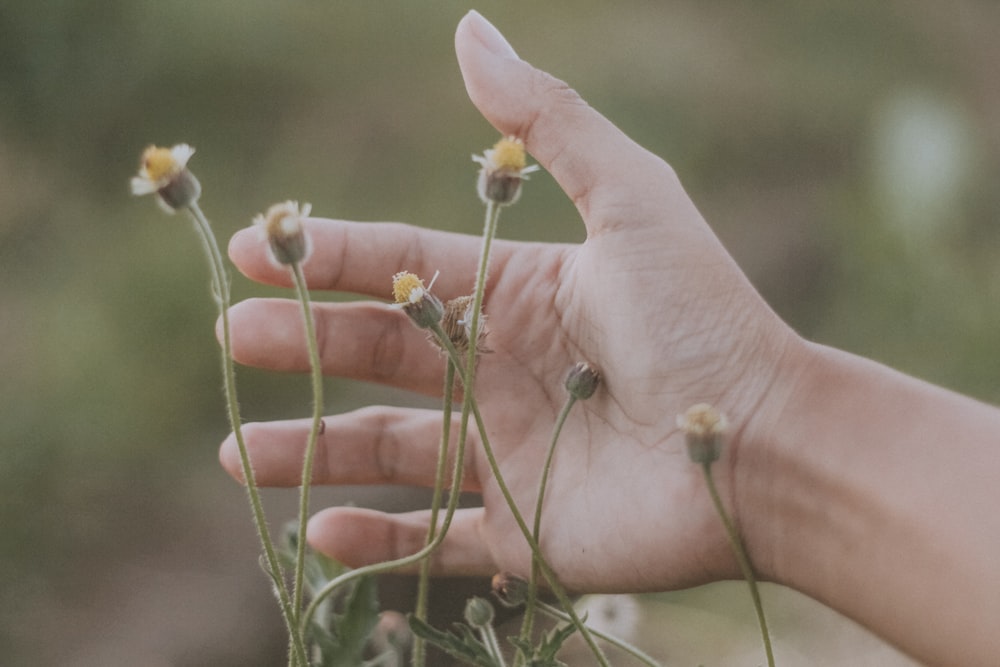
column 387, row 350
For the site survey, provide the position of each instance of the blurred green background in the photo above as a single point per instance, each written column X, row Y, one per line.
column 847, row 153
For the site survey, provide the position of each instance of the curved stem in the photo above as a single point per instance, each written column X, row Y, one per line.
column 221, row 287
column 742, row 559
column 622, row 645
column 529, row 609
column 378, row 568
column 423, row 583
column 316, row 369
column 536, row 552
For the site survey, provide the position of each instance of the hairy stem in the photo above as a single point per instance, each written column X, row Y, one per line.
column 423, row 582
column 316, row 369
column 529, row 608
column 220, row 284
column 620, row 644
column 741, row 556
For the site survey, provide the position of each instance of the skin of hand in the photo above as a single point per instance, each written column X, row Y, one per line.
column 833, row 468
column 651, row 299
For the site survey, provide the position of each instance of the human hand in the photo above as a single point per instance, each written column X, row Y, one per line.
column 650, row 298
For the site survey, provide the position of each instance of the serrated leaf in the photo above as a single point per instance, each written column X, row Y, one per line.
column 544, row 655
column 341, row 637
column 465, row 646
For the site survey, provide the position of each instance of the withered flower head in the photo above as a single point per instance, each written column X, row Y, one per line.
column 457, row 324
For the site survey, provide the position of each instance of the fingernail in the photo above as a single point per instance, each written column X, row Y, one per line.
column 489, row 36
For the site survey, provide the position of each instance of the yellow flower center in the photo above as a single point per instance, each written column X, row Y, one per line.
column 403, row 284
column 508, row 154
column 159, row 163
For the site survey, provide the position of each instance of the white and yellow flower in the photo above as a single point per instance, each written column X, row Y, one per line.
column 164, row 172
column 285, row 233
column 503, row 168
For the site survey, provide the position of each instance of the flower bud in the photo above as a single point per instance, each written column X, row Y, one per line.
column 503, row 169
column 704, row 429
column 417, row 301
column 163, row 171
column 282, row 224
column 582, row 380
column 510, row 590
column 478, row 612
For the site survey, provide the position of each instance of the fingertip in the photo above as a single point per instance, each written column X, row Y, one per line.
column 341, row 533
column 474, row 26
column 229, row 458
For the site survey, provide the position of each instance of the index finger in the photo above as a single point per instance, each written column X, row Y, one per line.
column 361, row 257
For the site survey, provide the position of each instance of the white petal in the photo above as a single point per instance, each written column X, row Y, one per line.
column 181, row 154
column 142, row 186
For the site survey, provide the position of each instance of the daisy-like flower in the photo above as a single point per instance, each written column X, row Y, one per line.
column 417, row 301
column 704, row 429
column 282, row 225
column 503, row 168
column 164, row 172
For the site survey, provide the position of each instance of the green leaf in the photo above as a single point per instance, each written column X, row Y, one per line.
column 341, row 635
column 462, row 645
column 544, row 655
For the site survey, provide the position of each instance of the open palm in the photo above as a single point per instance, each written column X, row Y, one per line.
column 651, row 299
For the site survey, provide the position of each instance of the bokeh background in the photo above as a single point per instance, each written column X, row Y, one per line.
column 847, row 153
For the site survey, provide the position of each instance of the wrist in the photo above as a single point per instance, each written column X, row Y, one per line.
column 871, row 492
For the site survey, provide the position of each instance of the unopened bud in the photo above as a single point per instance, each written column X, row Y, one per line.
column 582, row 380
column 510, row 590
column 704, row 429
column 478, row 612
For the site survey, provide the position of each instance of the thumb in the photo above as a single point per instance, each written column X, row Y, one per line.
column 603, row 171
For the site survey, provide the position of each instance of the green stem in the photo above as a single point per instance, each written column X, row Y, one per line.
column 316, row 369
column 221, row 287
column 423, row 583
column 529, row 609
column 742, row 559
column 536, row 552
column 458, row 468
column 469, row 404
column 633, row 651
column 489, row 638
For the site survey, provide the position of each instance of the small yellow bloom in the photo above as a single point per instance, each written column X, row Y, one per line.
column 407, row 288
column 417, row 301
column 282, row 225
column 503, row 169
column 163, row 171
column 508, row 154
